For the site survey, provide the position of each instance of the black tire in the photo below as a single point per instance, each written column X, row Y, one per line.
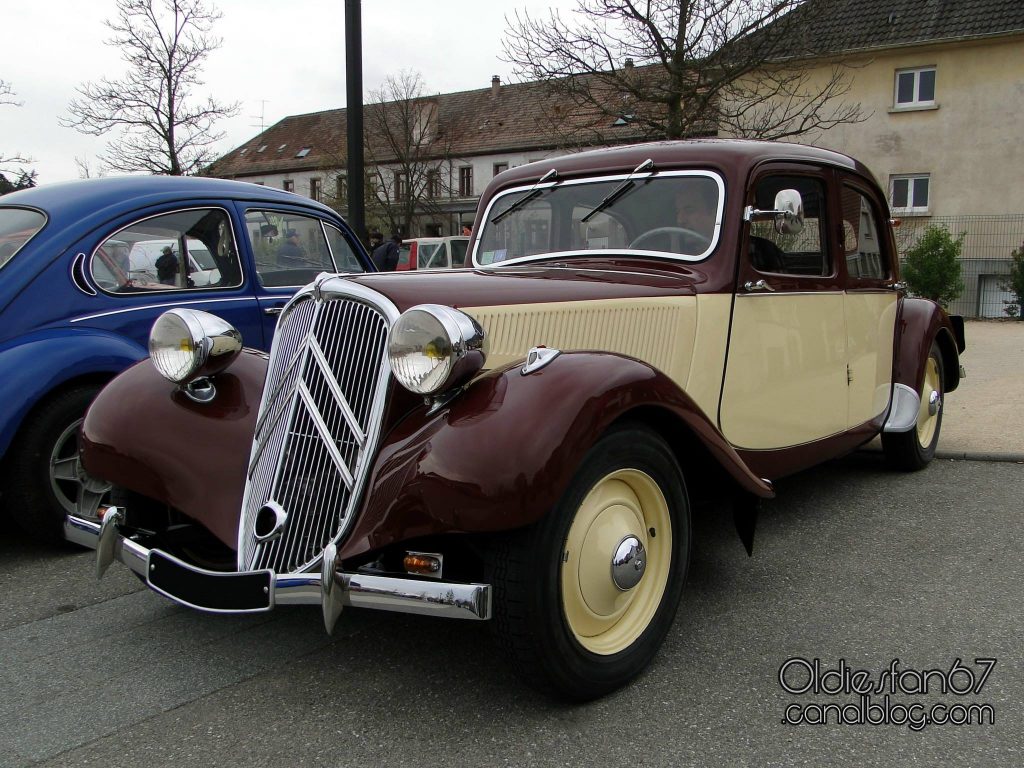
column 530, row 569
column 37, row 500
column 912, row 450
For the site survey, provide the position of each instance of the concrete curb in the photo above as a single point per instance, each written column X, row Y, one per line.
column 1008, row 458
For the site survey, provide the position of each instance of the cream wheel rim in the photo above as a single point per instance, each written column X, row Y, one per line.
column 603, row 617
column 926, row 420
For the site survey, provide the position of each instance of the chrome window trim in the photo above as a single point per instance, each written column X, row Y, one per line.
column 175, row 291
column 330, row 288
column 713, row 175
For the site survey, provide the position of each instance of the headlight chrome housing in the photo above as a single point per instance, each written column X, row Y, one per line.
column 433, row 348
column 186, row 344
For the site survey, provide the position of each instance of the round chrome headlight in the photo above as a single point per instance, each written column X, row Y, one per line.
column 186, row 344
column 432, row 348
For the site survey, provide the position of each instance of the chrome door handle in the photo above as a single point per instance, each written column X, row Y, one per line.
column 760, row 285
column 897, row 286
column 272, row 310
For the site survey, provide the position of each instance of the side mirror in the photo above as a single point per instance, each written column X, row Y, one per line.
column 788, row 213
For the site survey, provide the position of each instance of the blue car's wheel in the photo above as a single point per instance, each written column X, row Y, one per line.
column 45, row 478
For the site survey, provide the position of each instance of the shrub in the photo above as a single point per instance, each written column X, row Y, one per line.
column 932, row 268
column 1015, row 284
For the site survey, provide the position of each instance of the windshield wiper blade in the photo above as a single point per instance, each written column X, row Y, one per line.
column 535, row 191
column 620, row 190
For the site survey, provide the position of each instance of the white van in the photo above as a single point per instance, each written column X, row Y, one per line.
column 202, row 269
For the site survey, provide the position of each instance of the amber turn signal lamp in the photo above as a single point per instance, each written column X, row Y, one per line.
column 424, row 565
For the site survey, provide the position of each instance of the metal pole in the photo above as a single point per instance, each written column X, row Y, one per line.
column 354, row 115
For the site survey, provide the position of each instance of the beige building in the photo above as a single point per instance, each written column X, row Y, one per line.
column 941, row 84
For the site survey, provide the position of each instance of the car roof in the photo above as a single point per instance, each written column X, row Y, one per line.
column 670, row 154
column 82, row 199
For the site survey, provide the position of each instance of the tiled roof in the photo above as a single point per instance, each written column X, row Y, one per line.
column 518, row 118
column 471, row 123
column 841, row 26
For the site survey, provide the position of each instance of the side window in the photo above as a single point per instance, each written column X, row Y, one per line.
column 431, row 256
column 290, row 249
column 345, row 258
column 804, row 253
column 183, row 250
column 862, row 238
column 458, row 252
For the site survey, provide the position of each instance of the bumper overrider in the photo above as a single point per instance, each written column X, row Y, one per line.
column 260, row 590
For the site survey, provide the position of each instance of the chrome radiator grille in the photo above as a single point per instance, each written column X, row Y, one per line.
column 316, row 429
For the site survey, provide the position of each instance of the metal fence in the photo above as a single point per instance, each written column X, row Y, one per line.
column 988, row 243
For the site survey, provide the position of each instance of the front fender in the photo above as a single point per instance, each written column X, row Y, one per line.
column 502, row 453
column 142, row 434
column 38, row 363
column 922, row 321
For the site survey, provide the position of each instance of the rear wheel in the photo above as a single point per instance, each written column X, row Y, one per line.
column 914, row 449
column 45, row 477
column 584, row 599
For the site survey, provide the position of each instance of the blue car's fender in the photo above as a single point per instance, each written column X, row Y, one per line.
column 37, row 364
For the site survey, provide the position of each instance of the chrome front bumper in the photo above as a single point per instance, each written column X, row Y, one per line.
column 260, row 591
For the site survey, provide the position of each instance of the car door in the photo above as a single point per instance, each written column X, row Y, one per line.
column 871, row 301
column 288, row 249
column 785, row 382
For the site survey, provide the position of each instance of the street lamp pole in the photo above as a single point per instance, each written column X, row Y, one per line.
column 354, row 114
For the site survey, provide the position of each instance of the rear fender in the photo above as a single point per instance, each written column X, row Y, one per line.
column 39, row 363
column 921, row 322
column 500, row 455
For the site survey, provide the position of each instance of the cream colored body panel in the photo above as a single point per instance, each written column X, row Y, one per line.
column 786, row 379
column 684, row 337
column 870, row 327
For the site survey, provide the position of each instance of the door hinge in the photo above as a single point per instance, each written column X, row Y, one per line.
column 849, row 376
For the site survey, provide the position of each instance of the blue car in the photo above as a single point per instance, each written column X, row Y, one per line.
column 86, row 268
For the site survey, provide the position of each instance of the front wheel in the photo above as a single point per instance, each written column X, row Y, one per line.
column 584, row 599
column 914, row 449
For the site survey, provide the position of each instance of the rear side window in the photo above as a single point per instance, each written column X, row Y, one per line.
column 17, row 227
column 862, row 238
column 180, row 251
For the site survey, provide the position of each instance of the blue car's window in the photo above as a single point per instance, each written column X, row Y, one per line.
column 17, row 226
column 184, row 250
column 344, row 257
column 291, row 249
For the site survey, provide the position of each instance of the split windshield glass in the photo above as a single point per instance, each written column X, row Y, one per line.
column 673, row 214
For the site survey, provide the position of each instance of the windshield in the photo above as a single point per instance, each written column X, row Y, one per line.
column 17, row 226
column 674, row 214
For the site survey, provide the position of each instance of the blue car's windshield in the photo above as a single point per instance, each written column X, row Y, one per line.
column 17, row 226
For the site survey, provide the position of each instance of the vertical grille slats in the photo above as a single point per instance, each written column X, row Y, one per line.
column 314, row 428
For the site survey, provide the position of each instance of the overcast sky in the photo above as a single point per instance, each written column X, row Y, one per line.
column 279, row 58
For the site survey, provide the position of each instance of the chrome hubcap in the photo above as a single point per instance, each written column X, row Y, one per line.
column 628, row 563
column 934, row 403
column 75, row 490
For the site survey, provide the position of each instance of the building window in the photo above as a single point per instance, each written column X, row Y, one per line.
column 401, row 186
column 314, row 189
column 340, row 186
column 433, row 184
column 909, row 194
column 915, row 87
column 499, row 167
column 466, row 181
column 288, row 185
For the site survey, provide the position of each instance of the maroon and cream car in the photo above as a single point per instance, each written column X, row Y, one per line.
column 522, row 441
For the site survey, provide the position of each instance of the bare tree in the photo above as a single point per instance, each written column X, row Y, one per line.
column 7, row 162
column 161, row 128
column 408, row 150
column 678, row 68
